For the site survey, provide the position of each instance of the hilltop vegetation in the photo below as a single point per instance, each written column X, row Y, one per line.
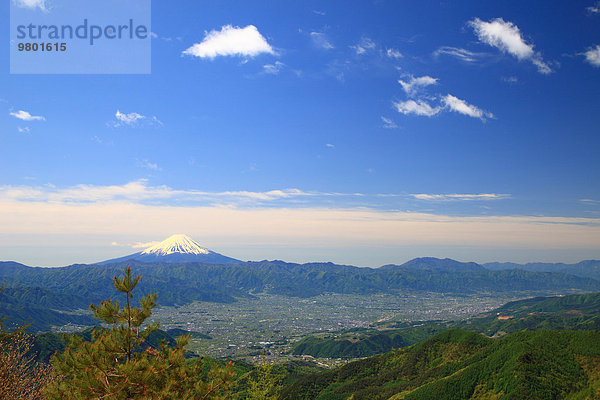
column 357, row 343
column 458, row 364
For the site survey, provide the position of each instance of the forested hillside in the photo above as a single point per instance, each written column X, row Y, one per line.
column 458, row 364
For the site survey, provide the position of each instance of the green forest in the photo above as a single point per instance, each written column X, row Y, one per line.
column 539, row 348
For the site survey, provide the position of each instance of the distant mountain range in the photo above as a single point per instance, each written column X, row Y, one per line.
column 203, row 275
column 587, row 268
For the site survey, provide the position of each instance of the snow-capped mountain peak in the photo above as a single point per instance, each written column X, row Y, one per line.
column 176, row 244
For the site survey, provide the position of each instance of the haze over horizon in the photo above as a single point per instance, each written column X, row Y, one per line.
column 366, row 135
column 183, row 244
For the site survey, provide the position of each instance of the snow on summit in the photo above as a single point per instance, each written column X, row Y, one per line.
column 176, row 244
column 176, row 249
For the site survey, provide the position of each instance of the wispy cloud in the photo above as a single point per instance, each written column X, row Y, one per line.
column 413, row 85
column 418, row 107
column 364, row 45
column 321, row 41
column 140, row 245
column 128, row 119
column 461, row 197
column 273, row 69
column 133, row 119
column 393, row 53
column 144, row 163
column 592, row 56
column 448, row 102
column 507, row 37
column 590, row 201
column 23, row 129
column 231, row 41
column 594, row 9
column 462, row 107
column 25, row 116
column 388, row 123
column 331, row 146
column 459, row 53
column 32, row 4
column 319, row 12
column 139, row 191
column 287, row 226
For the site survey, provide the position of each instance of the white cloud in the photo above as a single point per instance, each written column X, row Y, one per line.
column 320, row 40
column 331, row 146
column 23, row 129
column 418, row 107
column 590, row 201
column 148, row 165
column 25, row 116
column 364, row 45
column 393, row 53
column 290, row 227
column 461, row 54
column 231, row 41
column 133, row 119
column 139, row 191
column 592, row 56
column 506, row 36
column 41, row 4
column 462, row 107
column 413, row 85
column 274, row 68
column 460, row 197
column 595, row 9
column 140, row 245
column 447, row 103
column 135, row 210
column 128, row 119
column 319, row 12
column 388, row 123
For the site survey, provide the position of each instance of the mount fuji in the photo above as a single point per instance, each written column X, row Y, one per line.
column 176, row 249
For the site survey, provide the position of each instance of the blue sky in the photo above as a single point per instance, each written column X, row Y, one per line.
column 364, row 134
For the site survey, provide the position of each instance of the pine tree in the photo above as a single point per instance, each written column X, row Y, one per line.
column 263, row 383
column 113, row 365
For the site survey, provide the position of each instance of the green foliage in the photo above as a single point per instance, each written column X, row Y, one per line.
column 458, row 364
column 363, row 344
column 46, row 344
column 108, row 366
column 263, row 383
column 574, row 312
